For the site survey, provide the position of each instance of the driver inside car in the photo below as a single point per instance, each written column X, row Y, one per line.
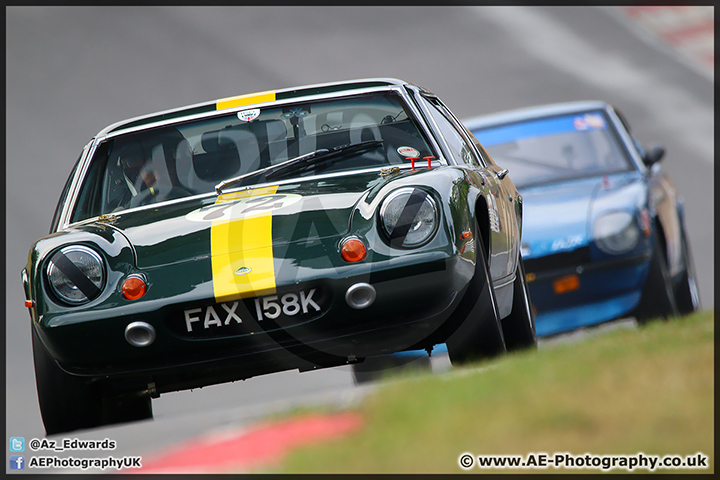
column 135, row 178
column 132, row 162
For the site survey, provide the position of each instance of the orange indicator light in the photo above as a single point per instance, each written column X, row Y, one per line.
column 353, row 250
column 646, row 223
column 29, row 303
column 566, row 284
column 133, row 288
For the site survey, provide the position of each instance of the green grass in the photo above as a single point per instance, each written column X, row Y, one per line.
column 646, row 390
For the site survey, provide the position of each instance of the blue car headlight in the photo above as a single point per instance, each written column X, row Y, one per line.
column 409, row 217
column 616, row 233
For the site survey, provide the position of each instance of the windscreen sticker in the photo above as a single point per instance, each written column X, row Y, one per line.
column 408, row 152
column 589, row 122
column 249, row 115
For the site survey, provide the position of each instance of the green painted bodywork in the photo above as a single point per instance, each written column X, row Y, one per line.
column 420, row 292
column 173, row 254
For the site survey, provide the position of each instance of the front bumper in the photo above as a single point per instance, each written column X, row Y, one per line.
column 413, row 309
column 607, row 290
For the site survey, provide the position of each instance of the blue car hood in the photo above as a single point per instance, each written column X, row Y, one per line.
column 559, row 216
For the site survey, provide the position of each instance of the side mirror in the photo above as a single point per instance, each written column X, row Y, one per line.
column 653, row 155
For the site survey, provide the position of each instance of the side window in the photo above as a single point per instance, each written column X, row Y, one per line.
column 487, row 159
column 460, row 149
column 626, row 125
column 89, row 198
column 63, row 196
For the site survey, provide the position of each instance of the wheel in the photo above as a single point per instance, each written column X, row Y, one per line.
column 657, row 299
column 519, row 327
column 375, row 368
column 686, row 292
column 70, row 403
column 480, row 336
column 66, row 403
column 126, row 408
column 145, row 197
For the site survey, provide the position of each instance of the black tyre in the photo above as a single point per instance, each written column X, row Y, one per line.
column 70, row 403
column 519, row 327
column 657, row 299
column 126, row 408
column 686, row 292
column 480, row 336
column 375, row 368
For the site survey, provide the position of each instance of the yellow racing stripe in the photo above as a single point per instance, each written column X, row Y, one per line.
column 241, row 250
column 242, row 100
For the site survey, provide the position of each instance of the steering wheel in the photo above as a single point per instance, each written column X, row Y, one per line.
column 153, row 195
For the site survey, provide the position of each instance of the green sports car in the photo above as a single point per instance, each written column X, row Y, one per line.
column 301, row 228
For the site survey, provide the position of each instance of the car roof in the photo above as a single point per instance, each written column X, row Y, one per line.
column 538, row 111
column 252, row 98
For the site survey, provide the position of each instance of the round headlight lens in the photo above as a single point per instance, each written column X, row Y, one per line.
column 409, row 217
column 76, row 274
column 616, row 232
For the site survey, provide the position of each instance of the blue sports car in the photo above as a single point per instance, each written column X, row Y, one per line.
column 603, row 235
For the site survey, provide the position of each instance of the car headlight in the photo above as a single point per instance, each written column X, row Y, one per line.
column 76, row 274
column 409, row 217
column 616, row 232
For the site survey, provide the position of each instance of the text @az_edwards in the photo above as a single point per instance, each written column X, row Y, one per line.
column 40, row 461
column 69, row 444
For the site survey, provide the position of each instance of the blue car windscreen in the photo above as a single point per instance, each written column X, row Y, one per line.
column 555, row 148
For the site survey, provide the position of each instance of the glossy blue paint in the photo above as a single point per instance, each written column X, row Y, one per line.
column 561, row 203
column 559, row 218
column 606, row 292
column 586, row 315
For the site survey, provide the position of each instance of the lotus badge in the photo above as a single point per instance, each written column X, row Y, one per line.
column 243, row 271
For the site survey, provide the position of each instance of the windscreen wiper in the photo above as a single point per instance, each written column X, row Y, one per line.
column 302, row 161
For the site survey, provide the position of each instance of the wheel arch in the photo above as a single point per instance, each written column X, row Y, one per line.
column 482, row 219
column 660, row 232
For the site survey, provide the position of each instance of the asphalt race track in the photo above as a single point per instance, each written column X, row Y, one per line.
column 73, row 70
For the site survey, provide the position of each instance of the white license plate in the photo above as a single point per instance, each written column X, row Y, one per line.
column 268, row 307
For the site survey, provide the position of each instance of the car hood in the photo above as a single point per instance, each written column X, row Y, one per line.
column 256, row 218
column 558, row 217
column 288, row 214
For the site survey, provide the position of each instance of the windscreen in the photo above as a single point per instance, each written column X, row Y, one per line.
column 555, row 149
column 191, row 158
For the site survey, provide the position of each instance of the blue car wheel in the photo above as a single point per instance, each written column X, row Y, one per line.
column 657, row 299
column 686, row 293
